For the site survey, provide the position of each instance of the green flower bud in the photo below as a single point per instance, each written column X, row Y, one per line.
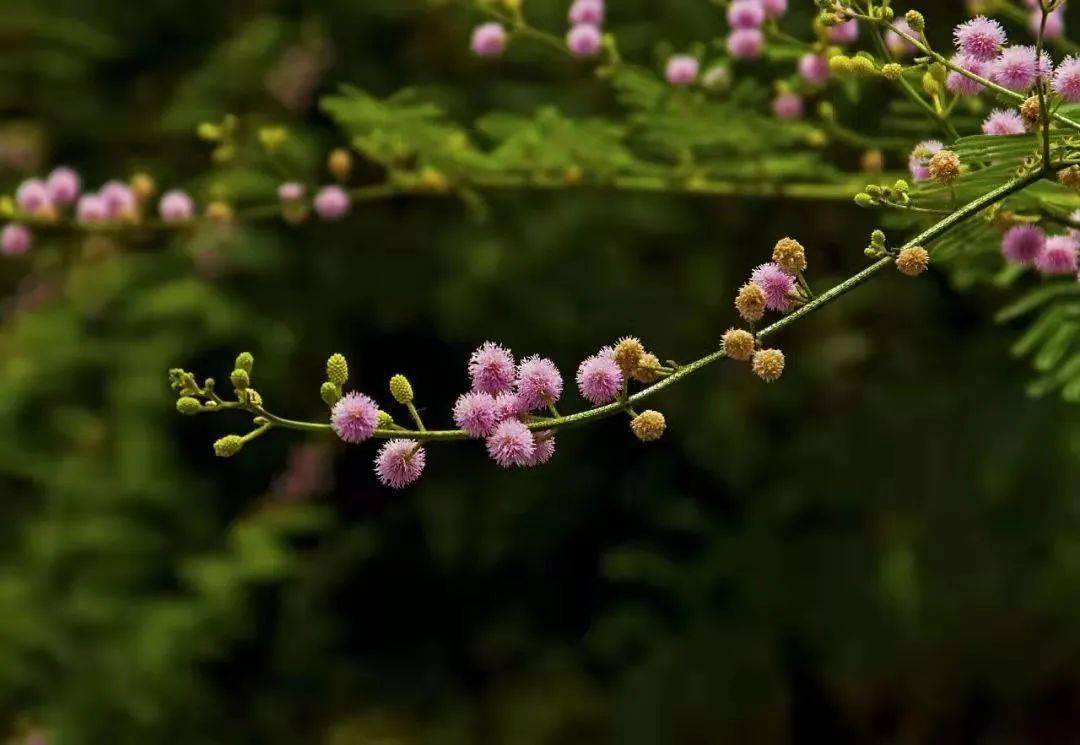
column 188, row 406
column 330, row 393
column 209, row 132
column 337, row 369
column 877, row 238
column 864, row 200
column 863, row 65
column 254, row 397
column 385, row 420
column 244, row 361
column 401, row 389
column 931, row 85
column 240, row 379
column 916, row 20
column 892, row 71
column 228, row 446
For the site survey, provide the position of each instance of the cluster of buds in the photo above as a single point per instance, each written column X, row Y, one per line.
column 510, row 406
column 932, row 161
column 896, row 195
column 910, row 260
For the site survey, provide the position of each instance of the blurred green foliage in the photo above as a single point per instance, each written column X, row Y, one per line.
column 884, row 548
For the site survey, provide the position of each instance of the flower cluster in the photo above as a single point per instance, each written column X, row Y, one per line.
column 746, row 18
column 1028, row 245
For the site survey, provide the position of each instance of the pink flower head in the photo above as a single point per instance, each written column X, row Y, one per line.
column 897, row 44
column 1055, row 24
column 584, row 40
column 1022, row 244
column 15, row 239
column 980, row 38
column 776, row 284
column 32, row 196
column 682, row 69
column 775, row 8
column 354, row 418
column 119, row 199
column 1017, row 69
column 587, row 11
column 788, row 106
column 400, row 462
column 1058, row 256
column 599, row 379
column 746, row 43
column 63, row 185
column 476, row 413
column 509, row 406
column 814, row 68
column 1067, row 79
column 176, row 206
column 543, row 447
column 961, row 84
column 332, row 202
column 91, row 208
column 492, row 369
column 489, row 40
column 845, row 33
column 539, row 383
column 291, row 191
column 511, row 444
column 746, row 14
column 1004, row 122
column 919, row 161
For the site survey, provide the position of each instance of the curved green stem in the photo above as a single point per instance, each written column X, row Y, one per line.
column 589, row 415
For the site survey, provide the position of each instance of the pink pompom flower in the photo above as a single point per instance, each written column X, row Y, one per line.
column 511, row 444
column 354, row 418
column 788, row 106
column 746, row 43
column 814, row 68
column 980, row 38
column 587, row 11
column 1018, row 69
column 1004, row 122
column 119, row 199
column 400, row 463
column 32, row 196
column 63, row 185
column 775, row 8
column 332, row 202
column 777, row 285
column 681, row 69
column 961, row 84
column 845, row 33
column 492, row 369
column 543, row 447
column 584, row 40
column 919, row 162
column 15, row 239
column 1022, row 244
column 488, row 40
column 1058, row 256
column 291, row 191
column 91, row 208
column 746, row 14
column 476, row 413
column 599, row 379
column 509, row 405
column 539, row 383
column 176, row 207
column 1067, row 79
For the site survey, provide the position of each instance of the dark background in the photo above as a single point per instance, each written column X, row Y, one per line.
column 882, row 548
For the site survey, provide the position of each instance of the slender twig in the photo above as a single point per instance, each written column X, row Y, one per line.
column 589, row 415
